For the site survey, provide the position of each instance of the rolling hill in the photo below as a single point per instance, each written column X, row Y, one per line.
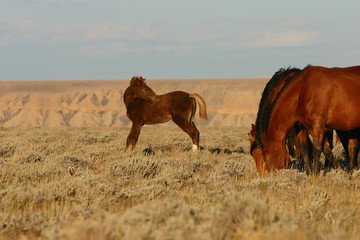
column 230, row 102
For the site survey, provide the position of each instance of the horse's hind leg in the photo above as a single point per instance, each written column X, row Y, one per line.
column 133, row 136
column 354, row 148
column 349, row 140
column 190, row 129
column 353, row 152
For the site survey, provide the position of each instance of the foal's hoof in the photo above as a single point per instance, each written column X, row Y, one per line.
column 188, row 149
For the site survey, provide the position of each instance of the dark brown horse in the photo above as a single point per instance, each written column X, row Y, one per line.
column 318, row 98
column 145, row 107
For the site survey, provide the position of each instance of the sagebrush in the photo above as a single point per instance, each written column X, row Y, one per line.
column 76, row 183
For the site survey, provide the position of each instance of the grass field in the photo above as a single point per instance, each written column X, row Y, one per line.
column 76, row 183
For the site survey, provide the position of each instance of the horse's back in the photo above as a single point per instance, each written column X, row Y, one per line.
column 176, row 95
column 335, row 74
column 176, row 98
column 334, row 91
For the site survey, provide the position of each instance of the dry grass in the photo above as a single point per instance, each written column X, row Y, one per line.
column 76, row 183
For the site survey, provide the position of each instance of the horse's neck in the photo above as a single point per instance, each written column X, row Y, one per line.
column 282, row 117
column 276, row 90
column 268, row 101
column 129, row 97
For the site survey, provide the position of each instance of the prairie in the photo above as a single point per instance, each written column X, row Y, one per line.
column 76, row 183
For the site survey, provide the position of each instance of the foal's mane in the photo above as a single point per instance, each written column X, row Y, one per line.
column 265, row 106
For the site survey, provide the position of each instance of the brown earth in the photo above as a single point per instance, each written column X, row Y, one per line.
column 230, row 102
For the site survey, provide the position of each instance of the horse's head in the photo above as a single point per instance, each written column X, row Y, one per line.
column 142, row 91
column 257, row 153
column 276, row 156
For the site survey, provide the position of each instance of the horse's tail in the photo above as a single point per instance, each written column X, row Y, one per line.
column 202, row 105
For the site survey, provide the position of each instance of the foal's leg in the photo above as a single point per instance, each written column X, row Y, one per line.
column 190, row 129
column 133, row 136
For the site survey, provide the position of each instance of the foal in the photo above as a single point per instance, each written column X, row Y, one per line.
column 145, row 107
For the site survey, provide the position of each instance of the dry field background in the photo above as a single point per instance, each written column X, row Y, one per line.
column 76, row 183
column 230, row 102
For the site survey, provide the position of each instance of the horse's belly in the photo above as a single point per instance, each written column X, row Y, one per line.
column 158, row 120
column 344, row 117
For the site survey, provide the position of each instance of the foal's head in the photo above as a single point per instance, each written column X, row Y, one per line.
column 141, row 90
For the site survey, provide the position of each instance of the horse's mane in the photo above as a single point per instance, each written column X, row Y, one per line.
column 265, row 106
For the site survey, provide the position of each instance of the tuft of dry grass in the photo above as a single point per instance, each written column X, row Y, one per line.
column 76, row 183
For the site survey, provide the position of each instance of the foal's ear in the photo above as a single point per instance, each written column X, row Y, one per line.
column 137, row 81
column 253, row 127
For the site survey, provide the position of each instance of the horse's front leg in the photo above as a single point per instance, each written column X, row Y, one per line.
column 305, row 147
column 133, row 136
column 317, row 133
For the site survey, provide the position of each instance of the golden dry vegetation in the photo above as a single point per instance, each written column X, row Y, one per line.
column 76, row 183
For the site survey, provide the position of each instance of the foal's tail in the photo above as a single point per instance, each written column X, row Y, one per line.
column 202, row 105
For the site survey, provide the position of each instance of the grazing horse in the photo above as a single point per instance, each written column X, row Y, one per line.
column 298, row 140
column 299, row 146
column 269, row 95
column 318, row 98
column 298, row 143
column 145, row 107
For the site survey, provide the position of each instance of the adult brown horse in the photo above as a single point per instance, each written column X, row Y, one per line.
column 145, row 107
column 298, row 142
column 318, row 98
